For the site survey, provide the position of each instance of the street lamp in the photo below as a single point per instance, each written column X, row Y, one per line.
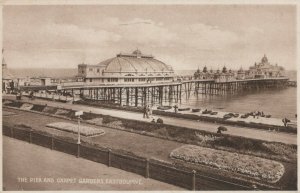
column 78, row 114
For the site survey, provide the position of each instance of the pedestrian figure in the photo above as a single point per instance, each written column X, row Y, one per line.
column 147, row 111
column 284, row 121
column 150, row 110
column 175, row 108
column 144, row 111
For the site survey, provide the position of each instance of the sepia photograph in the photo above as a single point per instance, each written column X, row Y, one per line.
column 149, row 96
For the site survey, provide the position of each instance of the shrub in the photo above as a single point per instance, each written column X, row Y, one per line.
column 159, row 120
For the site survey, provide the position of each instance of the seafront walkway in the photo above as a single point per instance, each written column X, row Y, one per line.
column 200, row 125
column 44, row 169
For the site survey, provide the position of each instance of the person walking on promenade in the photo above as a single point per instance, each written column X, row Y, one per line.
column 175, row 108
column 150, row 110
column 144, row 111
column 147, row 111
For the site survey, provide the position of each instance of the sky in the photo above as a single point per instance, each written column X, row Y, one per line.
column 183, row 36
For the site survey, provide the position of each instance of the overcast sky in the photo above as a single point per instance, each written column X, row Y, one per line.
column 184, row 36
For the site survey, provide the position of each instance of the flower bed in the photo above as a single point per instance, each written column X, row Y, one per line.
column 260, row 168
column 50, row 110
column 97, row 121
column 26, row 106
column 69, row 127
column 62, row 112
column 115, row 124
column 281, row 149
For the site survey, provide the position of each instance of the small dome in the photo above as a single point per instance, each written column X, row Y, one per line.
column 264, row 59
column 224, row 69
column 205, row 69
column 137, row 52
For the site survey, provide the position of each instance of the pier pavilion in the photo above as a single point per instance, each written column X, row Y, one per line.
column 134, row 68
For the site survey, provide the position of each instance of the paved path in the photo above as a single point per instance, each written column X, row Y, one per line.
column 28, row 167
column 232, row 130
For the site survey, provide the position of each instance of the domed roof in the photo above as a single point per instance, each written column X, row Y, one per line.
column 135, row 62
column 137, row 52
column 264, row 59
column 224, row 69
column 205, row 69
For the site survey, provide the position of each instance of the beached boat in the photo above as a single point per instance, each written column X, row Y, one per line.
column 244, row 116
column 164, row 107
column 184, row 109
column 196, row 110
column 227, row 116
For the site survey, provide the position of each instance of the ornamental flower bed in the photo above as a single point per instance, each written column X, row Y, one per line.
column 259, row 168
column 50, row 110
column 97, row 121
column 281, row 149
column 69, row 127
column 115, row 124
column 62, row 112
column 26, row 106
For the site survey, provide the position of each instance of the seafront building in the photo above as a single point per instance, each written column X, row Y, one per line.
column 261, row 70
column 126, row 69
column 219, row 76
column 7, row 78
column 265, row 70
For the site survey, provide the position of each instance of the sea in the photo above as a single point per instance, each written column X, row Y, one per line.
column 279, row 103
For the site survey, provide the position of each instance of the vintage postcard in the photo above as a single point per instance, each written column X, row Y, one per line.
column 149, row 96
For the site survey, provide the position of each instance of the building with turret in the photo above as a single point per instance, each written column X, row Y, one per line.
column 241, row 74
column 264, row 69
column 127, row 68
column 7, row 78
column 220, row 76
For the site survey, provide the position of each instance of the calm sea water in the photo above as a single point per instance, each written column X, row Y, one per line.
column 278, row 103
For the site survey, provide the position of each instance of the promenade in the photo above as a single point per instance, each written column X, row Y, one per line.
column 212, row 127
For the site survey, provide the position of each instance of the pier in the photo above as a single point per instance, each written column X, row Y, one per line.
column 156, row 93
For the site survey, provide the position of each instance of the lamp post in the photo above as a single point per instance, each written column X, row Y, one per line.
column 78, row 114
column 78, row 142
